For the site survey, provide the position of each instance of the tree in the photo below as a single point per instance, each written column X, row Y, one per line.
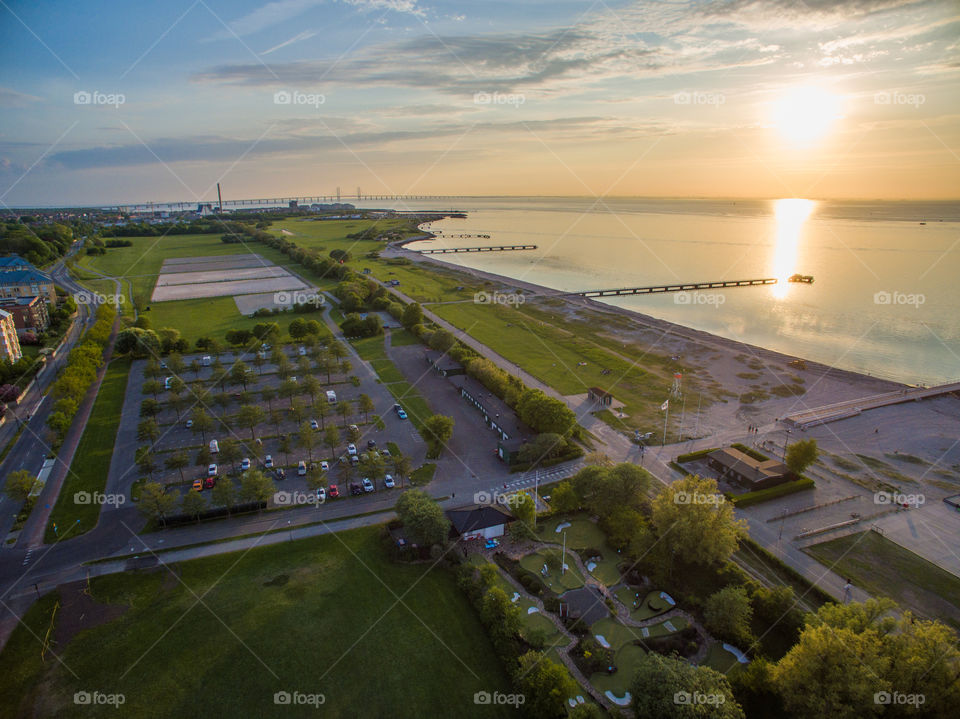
column 545, row 414
column 344, row 410
column 256, row 487
column 286, row 446
column 524, row 509
column 544, row 446
column 545, row 684
column 373, row 466
column 224, row 493
column 195, row 367
column 241, row 375
column 149, row 408
column 268, row 394
column 174, row 361
column 18, row 484
column 138, row 343
column 307, row 439
column 177, row 460
column 311, row 386
column 331, row 438
column 249, row 416
column 259, row 362
column 667, row 687
column 178, row 404
column 412, row 315
column 423, row 519
column 288, row 390
column 316, row 479
column 563, row 497
column 365, row 405
column 692, row 517
column 202, row 423
column 148, row 430
column 230, row 452
column 152, row 387
column 801, row 454
column 727, row 614
column 438, row 430
column 402, row 466
column 145, row 461
column 848, row 653
column 155, row 502
column 192, row 504
column 298, row 410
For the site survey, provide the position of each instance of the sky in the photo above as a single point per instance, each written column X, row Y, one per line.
column 117, row 102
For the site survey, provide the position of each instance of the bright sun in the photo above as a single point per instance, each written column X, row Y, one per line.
column 805, row 114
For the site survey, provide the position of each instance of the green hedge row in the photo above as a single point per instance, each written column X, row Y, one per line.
column 762, row 495
column 750, row 452
column 690, row 456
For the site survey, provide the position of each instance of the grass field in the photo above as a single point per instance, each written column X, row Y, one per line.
column 884, row 568
column 374, row 351
column 88, row 471
column 314, row 616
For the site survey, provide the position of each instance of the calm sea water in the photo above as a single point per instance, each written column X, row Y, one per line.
column 886, row 296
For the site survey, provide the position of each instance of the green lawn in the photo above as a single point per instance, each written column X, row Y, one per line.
column 313, row 616
column 558, row 581
column 642, row 610
column 581, row 534
column 883, row 567
column 402, row 338
column 374, row 351
column 627, row 661
column 88, row 471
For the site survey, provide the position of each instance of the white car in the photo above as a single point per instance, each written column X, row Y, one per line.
column 244, row 464
column 302, row 351
column 212, row 470
column 367, row 485
column 268, row 462
column 189, row 423
column 214, row 446
column 302, row 468
column 351, row 449
column 321, row 494
column 324, row 466
column 388, row 482
column 314, row 425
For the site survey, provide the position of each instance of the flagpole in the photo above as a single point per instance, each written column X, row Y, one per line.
column 697, row 430
column 665, row 418
column 683, row 409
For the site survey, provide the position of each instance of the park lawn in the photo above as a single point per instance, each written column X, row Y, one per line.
column 88, row 471
column 316, row 616
column 883, row 567
column 423, row 474
column 581, row 534
column 402, row 338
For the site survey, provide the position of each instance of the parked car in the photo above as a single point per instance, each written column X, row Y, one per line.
column 268, row 461
column 166, row 382
column 385, row 452
column 212, row 470
column 163, row 365
column 351, row 449
column 189, row 423
column 354, row 428
column 354, row 460
column 356, row 489
column 334, row 491
column 371, row 443
column 324, row 466
column 209, row 482
column 331, row 396
column 321, row 494
column 399, row 410
column 214, row 446
column 197, row 484
column 206, row 360
column 367, row 485
column 244, row 464
column 388, row 482
column 314, row 425
column 301, row 468
column 280, row 473
column 302, row 351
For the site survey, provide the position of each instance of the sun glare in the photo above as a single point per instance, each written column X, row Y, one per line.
column 791, row 215
column 805, row 114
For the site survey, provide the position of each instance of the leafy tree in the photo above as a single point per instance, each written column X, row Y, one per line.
column 545, row 684
column 145, row 461
column 298, row 410
column 177, row 460
column 192, row 504
column 365, row 405
column 268, row 394
column 695, row 522
column 307, row 438
column 195, row 367
column 564, row 498
column 286, row 446
column 148, row 430
column 288, row 390
column 545, row 414
column 204, row 457
column 373, row 466
column 311, row 386
column 138, row 343
column 202, row 423
column 801, row 454
column 240, row 374
column 230, row 451
column 344, row 410
column 422, row 518
column 155, row 502
column 19, row 483
column 525, row 510
column 224, row 493
column 316, row 479
column 255, row 486
column 438, row 430
column 412, row 315
column 249, row 416
column 665, row 686
column 152, row 387
column 727, row 614
column 402, row 466
column 331, row 438
column 174, row 361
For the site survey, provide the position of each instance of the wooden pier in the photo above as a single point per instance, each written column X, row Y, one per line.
column 689, row 286
column 489, row 248
column 855, row 407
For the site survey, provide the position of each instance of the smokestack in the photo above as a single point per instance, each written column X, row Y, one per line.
column 219, row 200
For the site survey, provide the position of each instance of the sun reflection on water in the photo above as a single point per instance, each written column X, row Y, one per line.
column 790, row 214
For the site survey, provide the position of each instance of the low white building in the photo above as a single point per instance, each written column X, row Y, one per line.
column 479, row 521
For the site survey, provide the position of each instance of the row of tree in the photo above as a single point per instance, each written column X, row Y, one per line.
column 80, row 371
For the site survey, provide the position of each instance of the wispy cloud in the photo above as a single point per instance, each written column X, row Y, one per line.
column 305, row 35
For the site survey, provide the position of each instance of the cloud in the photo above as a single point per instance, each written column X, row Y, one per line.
column 282, row 11
column 12, row 98
column 305, row 35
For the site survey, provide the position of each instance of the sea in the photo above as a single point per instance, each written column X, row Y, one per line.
column 885, row 296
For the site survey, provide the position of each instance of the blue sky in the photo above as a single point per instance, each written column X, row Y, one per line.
column 821, row 98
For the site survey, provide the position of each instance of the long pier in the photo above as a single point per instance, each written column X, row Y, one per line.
column 687, row 286
column 488, row 248
column 854, row 407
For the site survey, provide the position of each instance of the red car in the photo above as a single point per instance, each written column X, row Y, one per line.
column 209, row 482
column 333, row 493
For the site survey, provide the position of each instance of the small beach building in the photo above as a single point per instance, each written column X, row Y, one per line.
column 600, row 396
column 736, row 466
column 442, row 364
column 478, row 521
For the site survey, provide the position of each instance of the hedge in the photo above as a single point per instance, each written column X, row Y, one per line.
column 750, row 452
column 690, row 456
column 762, row 495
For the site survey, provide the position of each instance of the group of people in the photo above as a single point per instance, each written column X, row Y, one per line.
column 753, row 429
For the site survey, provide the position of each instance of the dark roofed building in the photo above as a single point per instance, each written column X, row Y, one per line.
column 497, row 414
column 27, row 283
column 442, row 364
column 14, row 262
column 478, row 521
column 600, row 396
column 736, row 466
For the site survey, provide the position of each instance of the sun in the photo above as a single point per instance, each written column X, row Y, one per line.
column 805, row 114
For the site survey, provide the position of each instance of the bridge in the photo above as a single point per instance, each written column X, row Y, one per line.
column 182, row 205
column 688, row 286
column 854, row 407
column 488, row 248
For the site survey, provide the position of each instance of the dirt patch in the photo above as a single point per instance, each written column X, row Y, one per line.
column 79, row 611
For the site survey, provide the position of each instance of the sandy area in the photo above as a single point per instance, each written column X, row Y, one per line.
column 195, row 278
column 248, row 304
column 219, row 289
column 223, row 262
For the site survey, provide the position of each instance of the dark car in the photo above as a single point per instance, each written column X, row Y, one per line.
column 371, row 443
column 280, row 473
column 355, row 489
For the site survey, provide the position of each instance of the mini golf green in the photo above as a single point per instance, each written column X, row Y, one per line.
column 558, row 581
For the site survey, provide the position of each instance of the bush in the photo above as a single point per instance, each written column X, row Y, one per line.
column 750, row 452
column 690, row 456
column 763, row 495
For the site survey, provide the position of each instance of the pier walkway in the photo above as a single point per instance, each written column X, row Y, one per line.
column 688, row 286
column 853, row 407
column 488, row 248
